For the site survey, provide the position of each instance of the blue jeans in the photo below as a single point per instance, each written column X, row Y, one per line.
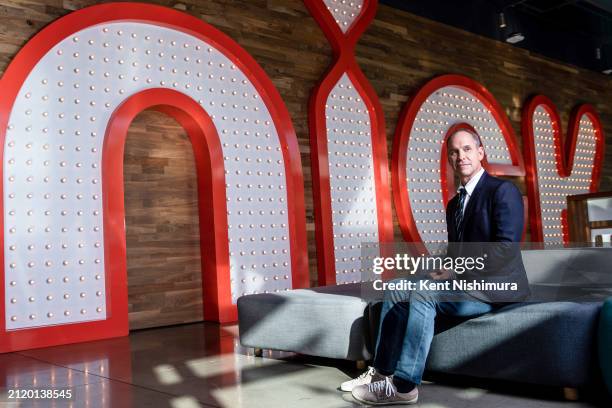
column 407, row 329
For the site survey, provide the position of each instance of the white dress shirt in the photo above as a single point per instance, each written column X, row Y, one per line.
column 470, row 186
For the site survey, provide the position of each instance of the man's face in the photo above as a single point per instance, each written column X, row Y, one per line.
column 464, row 155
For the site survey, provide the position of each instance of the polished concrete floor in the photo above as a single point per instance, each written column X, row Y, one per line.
column 203, row 365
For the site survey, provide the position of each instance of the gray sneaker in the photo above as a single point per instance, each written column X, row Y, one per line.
column 383, row 392
column 369, row 376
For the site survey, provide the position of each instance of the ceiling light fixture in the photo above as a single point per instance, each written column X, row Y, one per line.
column 502, row 20
column 515, row 37
column 509, row 25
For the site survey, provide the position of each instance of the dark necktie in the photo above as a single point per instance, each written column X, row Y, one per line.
column 459, row 214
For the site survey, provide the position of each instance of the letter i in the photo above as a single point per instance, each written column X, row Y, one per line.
column 348, row 150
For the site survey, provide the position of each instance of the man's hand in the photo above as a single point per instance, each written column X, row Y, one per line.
column 442, row 274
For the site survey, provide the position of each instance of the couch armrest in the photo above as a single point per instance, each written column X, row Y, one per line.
column 605, row 343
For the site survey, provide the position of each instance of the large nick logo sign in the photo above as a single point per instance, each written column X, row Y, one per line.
column 71, row 93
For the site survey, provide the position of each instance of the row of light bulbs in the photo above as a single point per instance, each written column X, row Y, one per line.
column 353, row 154
column 49, row 298
column 284, row 265
column 438, row 122
column 427, row 201
column 255, row 292
column 425, row 170
column 351, row 200
column 571, row 182
column 459, row 97
column 574, row 173
column 349, row 143
column 554, row 162
column 350, row 247
column 50, row 315
column 265, row 278
column 253, row 239
column 48, row 264
column 349, row 177
column 553, row 202
column 352, row 132
column 353, row 270
column 356, row 188
column 430, row 221
column 428, row 211
column 463, row 107
column 433, row 231
column 357, row 223
column 50, row 280
column 355, row 211
column 351, row 259
column 31, row 212
column 425, row 190
column 254, row 252
column 342, row 108
column 565, row 186
column 260, row 226
column 424, row 180
column 48, row 246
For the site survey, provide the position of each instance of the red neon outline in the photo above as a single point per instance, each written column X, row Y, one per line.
column 401, row 200
column 565, row 150
column 18, row 71
column 343, row 46
column 211, row 197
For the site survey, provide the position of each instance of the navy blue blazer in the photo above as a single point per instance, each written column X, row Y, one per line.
column 494, row 215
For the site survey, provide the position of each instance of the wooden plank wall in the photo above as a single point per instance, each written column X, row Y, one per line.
column 162, row 228
column 398, row 53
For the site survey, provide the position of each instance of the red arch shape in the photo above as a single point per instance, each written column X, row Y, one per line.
column 211, row 199
column 565, row 149
column 401, row 200
column 26, row 60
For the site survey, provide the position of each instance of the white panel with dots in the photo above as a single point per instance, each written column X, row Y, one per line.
column 345, row 12
column 441, row 110
column 554, row 189
column 351, row 178
column 54, row 246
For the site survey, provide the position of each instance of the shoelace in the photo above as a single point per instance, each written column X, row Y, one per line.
column 371, row 371
column 383, row 385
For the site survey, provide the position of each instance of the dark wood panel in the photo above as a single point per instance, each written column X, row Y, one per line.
column 162, row 225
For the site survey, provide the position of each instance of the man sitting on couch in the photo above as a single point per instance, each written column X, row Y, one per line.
column 485, row 209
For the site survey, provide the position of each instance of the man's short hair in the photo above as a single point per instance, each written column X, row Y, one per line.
column 475, row 135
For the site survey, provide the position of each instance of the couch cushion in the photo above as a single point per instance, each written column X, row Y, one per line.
column 541, row 343
column 585, row 267
column 326, row 321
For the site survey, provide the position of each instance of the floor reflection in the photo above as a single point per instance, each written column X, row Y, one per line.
column 203, row 365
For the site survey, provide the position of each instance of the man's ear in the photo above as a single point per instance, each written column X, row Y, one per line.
column 481, row 152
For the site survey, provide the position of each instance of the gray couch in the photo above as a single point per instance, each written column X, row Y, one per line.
column 545, row 342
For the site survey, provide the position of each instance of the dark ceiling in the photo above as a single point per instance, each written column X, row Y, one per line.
column 566, row 30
